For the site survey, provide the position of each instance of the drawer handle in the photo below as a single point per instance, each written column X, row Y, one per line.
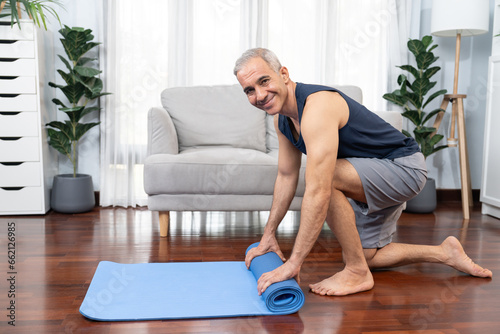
column 7, row 41
column 8, row 78
column 9, row 60
column 9, row 113
column 11, row 163
column 5, row 23
column 12, row 188
column 9, row 96
column 10, row 138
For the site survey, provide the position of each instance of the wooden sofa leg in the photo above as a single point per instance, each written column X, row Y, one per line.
column 164, row 220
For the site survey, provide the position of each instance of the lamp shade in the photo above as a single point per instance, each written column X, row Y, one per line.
column 468, row 17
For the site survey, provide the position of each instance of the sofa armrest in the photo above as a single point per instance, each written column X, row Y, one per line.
column 162, row 136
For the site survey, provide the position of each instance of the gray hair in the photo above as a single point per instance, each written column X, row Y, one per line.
column 267, row 55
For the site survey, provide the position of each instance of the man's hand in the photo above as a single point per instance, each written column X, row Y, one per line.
column 267, row 244
column 282, row 273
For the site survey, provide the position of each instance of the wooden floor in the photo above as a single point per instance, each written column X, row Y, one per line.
column 57, row 254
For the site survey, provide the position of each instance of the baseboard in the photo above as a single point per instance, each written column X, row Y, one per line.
column 455, row 195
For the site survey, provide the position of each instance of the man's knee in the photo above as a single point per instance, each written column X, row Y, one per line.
column 345, row 175
column 347, row 180
column 369, row 254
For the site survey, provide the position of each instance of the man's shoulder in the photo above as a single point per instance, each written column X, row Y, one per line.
column 325, row 95
column 329, row 106
column 304, row 92
column 325, row 100
column 307, row 89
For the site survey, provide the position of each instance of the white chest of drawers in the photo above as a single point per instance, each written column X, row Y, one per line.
column 27, row 164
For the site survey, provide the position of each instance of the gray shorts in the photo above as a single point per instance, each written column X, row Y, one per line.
column 388, row 185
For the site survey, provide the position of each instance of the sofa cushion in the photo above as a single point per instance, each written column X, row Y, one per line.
column 211, row 170
column 271, row 136
column 215, row 116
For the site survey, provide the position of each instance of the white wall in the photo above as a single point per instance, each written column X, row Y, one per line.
column 443, row 166
column 473, row 75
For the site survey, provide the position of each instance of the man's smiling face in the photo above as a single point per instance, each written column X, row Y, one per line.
column 264, row 88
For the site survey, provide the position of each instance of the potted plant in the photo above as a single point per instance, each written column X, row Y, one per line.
column 72, row 193
column 412, row 96
column 36, row 10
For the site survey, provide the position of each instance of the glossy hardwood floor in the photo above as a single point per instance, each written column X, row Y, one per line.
column 57, row 254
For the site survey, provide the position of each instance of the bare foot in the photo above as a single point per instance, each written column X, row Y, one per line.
column 460, row 261
column 343, row 283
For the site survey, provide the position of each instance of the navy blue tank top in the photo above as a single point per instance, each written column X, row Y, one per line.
column 365, row 135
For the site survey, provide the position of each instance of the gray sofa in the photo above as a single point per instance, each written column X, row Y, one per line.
column 210, row 150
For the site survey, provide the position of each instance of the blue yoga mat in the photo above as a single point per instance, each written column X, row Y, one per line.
column 153, row 291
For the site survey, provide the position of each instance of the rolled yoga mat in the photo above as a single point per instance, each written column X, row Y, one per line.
column 153, row 291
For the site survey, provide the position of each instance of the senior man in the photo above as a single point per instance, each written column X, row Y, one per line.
column 360, row 171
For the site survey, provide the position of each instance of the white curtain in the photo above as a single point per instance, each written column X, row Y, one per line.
column 136, row 51
column 161, row 44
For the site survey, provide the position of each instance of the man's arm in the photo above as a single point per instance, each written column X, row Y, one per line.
column 324, row 115
column 289, row 160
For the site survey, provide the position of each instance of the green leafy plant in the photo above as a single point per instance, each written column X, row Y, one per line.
column 37, row 10
column 82, row 86
column 411, row 95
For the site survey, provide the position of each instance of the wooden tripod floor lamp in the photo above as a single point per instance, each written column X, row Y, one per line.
column 459, row 18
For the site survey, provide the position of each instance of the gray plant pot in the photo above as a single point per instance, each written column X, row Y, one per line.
column 72, row 194
column 425, row 201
